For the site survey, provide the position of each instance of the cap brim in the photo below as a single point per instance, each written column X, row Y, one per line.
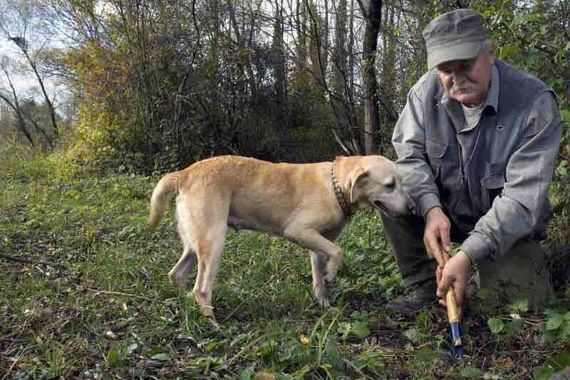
column 446, row 53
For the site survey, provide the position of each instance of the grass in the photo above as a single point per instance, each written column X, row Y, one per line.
column 103, row 308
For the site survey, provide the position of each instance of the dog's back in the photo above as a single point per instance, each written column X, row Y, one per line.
column 222, row 174
column 247, row 183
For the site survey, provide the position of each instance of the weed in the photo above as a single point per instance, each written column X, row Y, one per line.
column 94, row 301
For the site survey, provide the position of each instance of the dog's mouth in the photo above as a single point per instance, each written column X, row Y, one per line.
column 381, row 206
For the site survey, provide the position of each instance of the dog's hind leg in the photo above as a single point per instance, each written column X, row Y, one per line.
column 210, row 250
column 318, row 263
column 187, row 261
column 202, row 223
column 180, row 271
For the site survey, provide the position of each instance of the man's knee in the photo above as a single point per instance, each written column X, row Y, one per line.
column 408, row 227
column 406, row 237
column 521, row 274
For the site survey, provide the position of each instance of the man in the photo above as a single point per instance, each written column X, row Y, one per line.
column 476, row 143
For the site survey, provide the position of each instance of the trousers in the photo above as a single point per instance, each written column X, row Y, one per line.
column 520, row 274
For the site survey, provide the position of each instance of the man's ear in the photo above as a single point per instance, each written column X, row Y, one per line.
column 356, row 179
column 492, row 50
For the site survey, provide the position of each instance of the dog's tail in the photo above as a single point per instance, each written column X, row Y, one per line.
column 161, row 195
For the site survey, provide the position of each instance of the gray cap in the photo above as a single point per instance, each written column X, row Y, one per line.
column 459, row 34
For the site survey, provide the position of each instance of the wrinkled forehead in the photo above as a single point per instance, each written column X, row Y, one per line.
column 456, row 64
column 468, row 63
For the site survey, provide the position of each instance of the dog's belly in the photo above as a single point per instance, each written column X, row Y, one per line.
column 251, row 224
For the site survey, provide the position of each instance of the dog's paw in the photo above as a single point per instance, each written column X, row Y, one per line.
column 208, row 312
column 212, row 320
column 329, row 278
column 322, row 294
column 331, row 271
column 324, row 302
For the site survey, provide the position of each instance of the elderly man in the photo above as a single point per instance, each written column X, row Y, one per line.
column 476, row 143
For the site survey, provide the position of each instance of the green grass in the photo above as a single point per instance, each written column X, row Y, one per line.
column 105, row 309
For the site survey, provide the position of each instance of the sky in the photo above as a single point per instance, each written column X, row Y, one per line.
column 26, row 84
column 23, row 78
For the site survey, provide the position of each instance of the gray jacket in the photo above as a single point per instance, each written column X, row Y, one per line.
column 492, row 179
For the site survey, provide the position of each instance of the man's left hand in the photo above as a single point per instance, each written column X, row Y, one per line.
column 455, row 273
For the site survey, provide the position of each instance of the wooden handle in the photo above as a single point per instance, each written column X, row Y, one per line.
column 453, row 315
column 453, row 311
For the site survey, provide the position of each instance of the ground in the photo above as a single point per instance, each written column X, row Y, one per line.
column 85, row 295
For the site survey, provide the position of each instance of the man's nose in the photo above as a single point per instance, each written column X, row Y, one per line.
column 411, row 204
column 457, row 75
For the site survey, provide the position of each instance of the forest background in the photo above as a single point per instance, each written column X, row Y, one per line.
column 99, row 97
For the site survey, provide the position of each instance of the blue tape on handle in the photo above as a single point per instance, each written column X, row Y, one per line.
column 456, row 342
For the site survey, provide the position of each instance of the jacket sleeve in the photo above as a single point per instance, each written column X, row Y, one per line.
column 409, row 142
column 516, row 213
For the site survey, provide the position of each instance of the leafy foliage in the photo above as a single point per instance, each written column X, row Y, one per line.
column 93, row 301
column 164, row 84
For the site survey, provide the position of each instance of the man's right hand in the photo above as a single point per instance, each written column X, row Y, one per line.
column 436, row 234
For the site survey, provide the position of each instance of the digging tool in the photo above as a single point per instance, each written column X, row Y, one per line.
column 453, row 316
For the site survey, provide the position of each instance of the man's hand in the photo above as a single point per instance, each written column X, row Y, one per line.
column 436, row 234
column 455, row 273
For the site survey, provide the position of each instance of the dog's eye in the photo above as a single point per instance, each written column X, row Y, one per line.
column 390, row 184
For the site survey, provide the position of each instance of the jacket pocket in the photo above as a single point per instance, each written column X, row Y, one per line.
column 491, row 187
column 439, row 165
column 435, row 152
column 435, row 149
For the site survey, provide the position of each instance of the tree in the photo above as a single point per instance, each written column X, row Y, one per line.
column 372, row 12
column 17, row 22
column 21, row 23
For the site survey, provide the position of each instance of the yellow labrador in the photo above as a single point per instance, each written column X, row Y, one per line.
column 307, row 204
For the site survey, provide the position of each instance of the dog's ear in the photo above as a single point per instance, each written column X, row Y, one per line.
column 357, row 178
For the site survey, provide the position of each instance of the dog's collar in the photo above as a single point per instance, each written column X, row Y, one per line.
column 344, row 205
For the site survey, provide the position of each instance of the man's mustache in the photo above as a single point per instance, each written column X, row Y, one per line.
column 462, row 86
column 461, row 89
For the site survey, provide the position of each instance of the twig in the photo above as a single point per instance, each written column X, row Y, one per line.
column 14, row 363
column 118, row 293
column 253, row 294
column 339, row 141
column 30, row 261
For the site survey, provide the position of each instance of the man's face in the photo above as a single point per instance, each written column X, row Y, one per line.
column 467, row 81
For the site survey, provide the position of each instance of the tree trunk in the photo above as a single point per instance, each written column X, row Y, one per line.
column 340, row 57
column 301, row 28
column 372, row 12
column 21, row 124
column 318, row 43
column 44, row 92
column 279, row 68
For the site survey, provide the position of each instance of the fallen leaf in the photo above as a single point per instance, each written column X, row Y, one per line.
column 111, row 335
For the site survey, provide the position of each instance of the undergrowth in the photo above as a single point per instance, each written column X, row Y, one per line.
column 85, row 295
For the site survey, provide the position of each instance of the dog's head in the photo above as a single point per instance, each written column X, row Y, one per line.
column 374, row 182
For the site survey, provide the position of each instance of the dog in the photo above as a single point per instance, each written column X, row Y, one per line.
column 307, row 204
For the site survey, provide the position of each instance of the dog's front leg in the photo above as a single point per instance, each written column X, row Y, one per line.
column 318, row 263
column 314, row 241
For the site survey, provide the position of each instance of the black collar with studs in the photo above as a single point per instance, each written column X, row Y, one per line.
column 344, row 205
